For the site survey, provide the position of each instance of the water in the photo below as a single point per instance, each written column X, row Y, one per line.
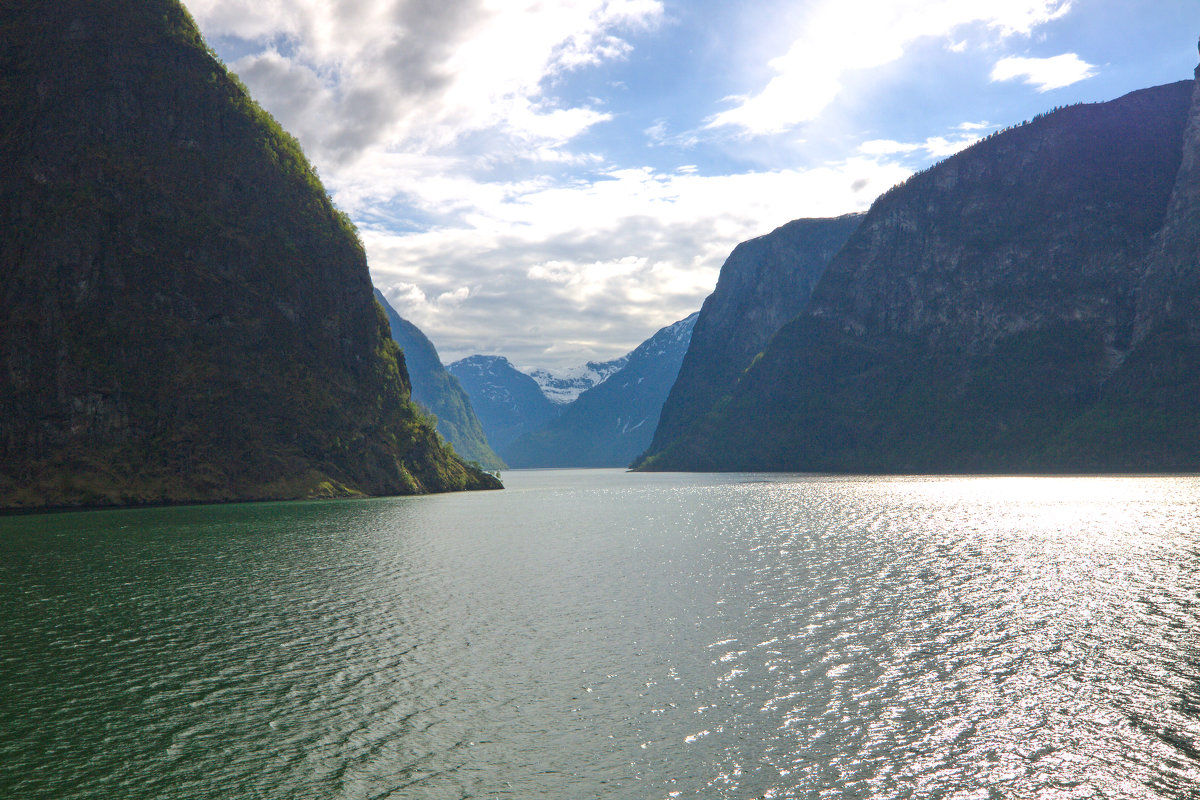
column 594, row 634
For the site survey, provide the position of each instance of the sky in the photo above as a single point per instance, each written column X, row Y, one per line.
column 555, row 180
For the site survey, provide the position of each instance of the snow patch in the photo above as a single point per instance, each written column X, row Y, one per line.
column 564, row 386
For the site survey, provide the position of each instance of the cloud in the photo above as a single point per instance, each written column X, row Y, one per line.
column 1044, row 73
column 557, row 273
column 839, row 36
column 464, row 139
column 935, row 147
column 659, row 135
column 886, row 147
column 422, row 75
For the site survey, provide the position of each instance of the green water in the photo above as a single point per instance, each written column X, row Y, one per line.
column 601, row 634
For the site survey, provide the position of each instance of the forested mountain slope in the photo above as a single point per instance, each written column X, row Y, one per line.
column 184, row 316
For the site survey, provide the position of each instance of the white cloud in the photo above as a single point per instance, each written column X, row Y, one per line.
column 418, row 75
column 559, row 273
column 1044, row 73
column 839, row 36
column 886, row 147
column 935, row 147
column 659, row 135
column 437, row 126
column 939, row 147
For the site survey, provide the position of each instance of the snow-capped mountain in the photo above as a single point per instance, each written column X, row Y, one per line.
column 667, row 341
column 602, row 414
column 564, row 386
column 508, row 402
column 610, row 424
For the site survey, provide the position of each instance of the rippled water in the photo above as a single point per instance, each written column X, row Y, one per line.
column 595, row 634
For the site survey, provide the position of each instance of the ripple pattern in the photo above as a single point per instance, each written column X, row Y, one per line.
column 596, row 634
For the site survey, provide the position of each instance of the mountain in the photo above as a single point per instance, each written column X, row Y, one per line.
column 1027, row 305
column 439, row 392
column 1148, row 409
column 563, row 387
column 763, row 284
column 611, row 423
column 508, row 402
column 184, row 316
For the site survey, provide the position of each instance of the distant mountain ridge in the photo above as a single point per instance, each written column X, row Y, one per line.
column 564, row 386
column 439, row 392
column 611, row 423
column 507, row 402
column 1027, row 305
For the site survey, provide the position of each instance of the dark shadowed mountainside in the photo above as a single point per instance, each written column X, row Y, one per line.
column 508, row 402
column 439, row 392
column 764, row 284
column 184, row 316
column 611, row 423
column 1027, row 305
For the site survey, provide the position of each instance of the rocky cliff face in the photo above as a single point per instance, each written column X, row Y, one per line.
column 611, row 423
column 439, row 392
column 1043, row 222
column 764, row 283
column 991, row 314
column 1171, row 286
column 183, row 314
column 1148, row 409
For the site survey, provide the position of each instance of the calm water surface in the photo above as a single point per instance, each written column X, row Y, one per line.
column 596, row 634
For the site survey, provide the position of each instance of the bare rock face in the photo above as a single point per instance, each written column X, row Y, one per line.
column 1006, row 310
column 184, row 316
column 1170, row 289
column 764, row 284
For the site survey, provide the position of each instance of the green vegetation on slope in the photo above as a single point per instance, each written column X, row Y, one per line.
column 184, row 316
column 439, row 392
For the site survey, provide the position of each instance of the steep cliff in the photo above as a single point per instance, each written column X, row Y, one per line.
column 1170, row 290
column 184, row 316
column 611, row 423
column 439, row 392
column 763, row 284
column 1148, row 410
column 985, row 315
